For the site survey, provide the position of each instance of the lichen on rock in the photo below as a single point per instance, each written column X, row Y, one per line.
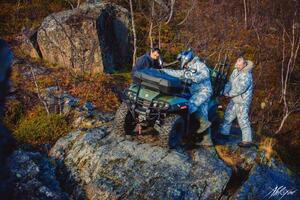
column 90, row 38
column 107, row 166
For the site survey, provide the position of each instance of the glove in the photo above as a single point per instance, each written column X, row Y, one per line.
column 187, row 81
column 188, row 74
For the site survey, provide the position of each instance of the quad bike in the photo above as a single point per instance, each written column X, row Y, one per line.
column 158, row 100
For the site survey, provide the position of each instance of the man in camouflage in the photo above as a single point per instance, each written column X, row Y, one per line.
column 197, row 74
column 239, row 89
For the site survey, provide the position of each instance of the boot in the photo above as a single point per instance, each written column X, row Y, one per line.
column 204, row 124
column 206, row 140
column 246, row 144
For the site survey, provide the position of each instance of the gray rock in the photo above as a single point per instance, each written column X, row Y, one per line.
column 89, row 106
column 27, row 68
column 28, row 44
column 93, row 1
column 107, row 166
column 91, row 38
column 245, row 157
column 34, row 177
column 69, row 102
column 59, row 101
column 272, row 181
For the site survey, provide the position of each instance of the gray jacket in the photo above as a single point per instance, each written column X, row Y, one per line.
column 199, row 75
column 240, row 85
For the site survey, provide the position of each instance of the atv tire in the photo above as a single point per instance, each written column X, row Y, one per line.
column 124, row 122
column 172, row 131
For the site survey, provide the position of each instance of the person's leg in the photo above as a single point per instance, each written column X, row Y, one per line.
column 197, row 100
column 229, row 116
column 244, row 123
column 200, row 101
column 202, row 115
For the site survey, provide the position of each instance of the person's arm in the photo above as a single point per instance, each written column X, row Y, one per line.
column 175, row 73
column 141, row 63
column 238, row 89
column 200, row 75
column 227, row 88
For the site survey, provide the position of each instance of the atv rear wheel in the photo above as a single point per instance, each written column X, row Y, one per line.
column 172, row 131
column 124, row 122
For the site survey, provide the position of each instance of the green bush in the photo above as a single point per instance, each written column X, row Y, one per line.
column 40, row 128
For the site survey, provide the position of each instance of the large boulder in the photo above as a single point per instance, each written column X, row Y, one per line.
column 33, row 176
column 97, row 164
column 28, row 43
column 93, row 38
column 270, row 181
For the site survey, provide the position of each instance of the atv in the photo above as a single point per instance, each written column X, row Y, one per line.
column 156, row 99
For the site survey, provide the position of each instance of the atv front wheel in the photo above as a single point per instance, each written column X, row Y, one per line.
column 124, row 122
column 171, row 131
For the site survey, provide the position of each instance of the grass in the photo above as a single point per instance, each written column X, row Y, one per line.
column 37, row 127
column 230, row 158
column 267, row 146
column 14, row 112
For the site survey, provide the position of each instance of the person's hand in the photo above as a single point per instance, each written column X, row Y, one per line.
column 187, row 81
column 222, row 93
column 226, row 95
column 188, row 74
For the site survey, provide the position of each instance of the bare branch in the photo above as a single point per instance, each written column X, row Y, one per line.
column 38, row 90
column 162, row 4
column 245, row 11
column 133, row 32
column 288, row 108
column 188, row 13
column 171, row 11
column 151, row 25
column 78, row 3
column 70, row 3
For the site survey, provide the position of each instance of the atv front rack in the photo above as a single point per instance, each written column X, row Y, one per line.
column 159, row 81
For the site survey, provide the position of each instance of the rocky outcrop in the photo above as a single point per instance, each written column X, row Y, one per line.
column 98, row 164
column 7, row 144
column 92, row 38
column 270, row 181
column 84, row 116
column 28, row 43
column 34, row 177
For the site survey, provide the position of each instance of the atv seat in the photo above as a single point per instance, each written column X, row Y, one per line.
column 160, row 81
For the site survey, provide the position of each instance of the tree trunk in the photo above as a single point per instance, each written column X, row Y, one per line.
column 245, row 13
column 133, row 32
column 151, row 25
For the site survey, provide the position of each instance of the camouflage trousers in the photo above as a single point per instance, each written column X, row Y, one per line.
column 198, row 104
column 241, row 112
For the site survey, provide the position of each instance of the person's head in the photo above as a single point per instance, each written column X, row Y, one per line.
column 241, row 63
column 155, row 53
column 185, row 57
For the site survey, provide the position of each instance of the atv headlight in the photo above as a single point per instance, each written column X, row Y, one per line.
column 131, row 95
column 167, row 106
column 161, row 105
